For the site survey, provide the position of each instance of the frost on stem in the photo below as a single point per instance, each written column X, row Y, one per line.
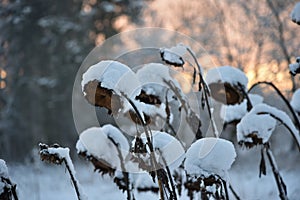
column 251, row 132
column 58, row 155
column 106, row 147
column 295, row 14
column 207, row 163
column 173, row 55
column 227, row 84
column 295, row 102
column 295, row 67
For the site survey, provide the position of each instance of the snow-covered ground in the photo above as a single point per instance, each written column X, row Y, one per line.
column 48, row 182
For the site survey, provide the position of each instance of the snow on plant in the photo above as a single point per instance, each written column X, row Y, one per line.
column 7, row 188
column 158, row 160
column 295, row 14
column 58, row 155
column 228, row 84
column 174, row 55
column 295, row 102
column 168, row 150
column 161, row 92
column 250, row 131
column 295, row 67
column 105, row 146
column 234, row 113
column 207, row 163
column 104, row 83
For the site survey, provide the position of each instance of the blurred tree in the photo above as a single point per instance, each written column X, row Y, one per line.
column 258, row 37
column 42, row 45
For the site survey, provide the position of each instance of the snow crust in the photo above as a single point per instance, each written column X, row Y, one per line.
column 226, row 74
column 113, row 75
column 168, row 150
column 295, row 102
column 295, row 14
column 95, row 142
column 210, row 156
column 259, row 121
column 230, row 113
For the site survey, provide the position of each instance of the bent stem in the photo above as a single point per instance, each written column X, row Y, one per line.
column 249, row 103
column 279, row 181
column 282, row 97
column 296, row 138
column 74, row 180
column 203, row 84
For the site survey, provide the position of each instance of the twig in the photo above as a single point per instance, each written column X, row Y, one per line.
column 279, row 181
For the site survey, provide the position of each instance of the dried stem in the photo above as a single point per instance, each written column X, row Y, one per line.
column 249, row 103
column 282, row 97
column 234, row 192
column 285, row 125
column 74, row 180
column 56, row 158
column 126, row 176
column 172, row 183
column 225, row 188
column 279, row 181
column 161, row 190
column 202, row 84
column 149, row 143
